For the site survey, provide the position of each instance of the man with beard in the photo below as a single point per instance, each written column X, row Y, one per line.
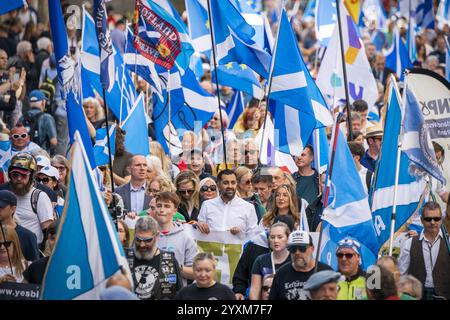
column 289, row 281
column 34, row 208
column 227, row 212
column 156, row 273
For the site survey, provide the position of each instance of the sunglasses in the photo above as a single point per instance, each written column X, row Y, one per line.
column 188, row 192
column 16, row 175
column 435, row 219
column 17, row 136
column 248, row 182
column 347, row 256
column 5, row 244
column 265, row 288
column 299, row 248
column 145, row 240
column 43, row 180
column 208, row 188
column 246, row 152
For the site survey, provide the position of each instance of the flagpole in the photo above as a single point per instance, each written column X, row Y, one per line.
column 123, row 73
column 7, row 251
column 344, row 71
column 328, row 186
column 170, row 111
column 211, row 32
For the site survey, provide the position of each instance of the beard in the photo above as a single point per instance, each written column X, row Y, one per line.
column 21, row 189
column 301, row 263
column 146, row 255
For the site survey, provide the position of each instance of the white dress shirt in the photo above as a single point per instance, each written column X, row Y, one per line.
column 223, row 216
column 430, row 252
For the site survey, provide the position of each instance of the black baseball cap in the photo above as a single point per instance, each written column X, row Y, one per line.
column 7, row 198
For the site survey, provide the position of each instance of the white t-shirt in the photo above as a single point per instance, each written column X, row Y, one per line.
column 362, row 174
column 30, row 220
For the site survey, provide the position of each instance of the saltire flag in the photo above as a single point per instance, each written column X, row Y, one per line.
column 310, row 9
column 101, row 152
column 443, row 13
column 69, row 79
column 361, row 81
column 447, row 60
column 160, row 37
column 397, row 57
column 325, row 20
column 199, row 26
column 235, row 108
column 319, row 141
column 105, row 44
column 135, row 125
column 253, row 18
column 5, row 154
column 416, row 140
column 10, row 5
column 87, row 250
column 409, row 189
column 239, row 77
column 411, row 41
column 121, row 96
column 421, row 10
column 269, row 40
column 233, row 39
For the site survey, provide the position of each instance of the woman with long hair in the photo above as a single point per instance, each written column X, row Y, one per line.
column 244, row 182
column 188, row 189
column 62, row 164
column 10, row 250
column 159, row 184
column 283, row 203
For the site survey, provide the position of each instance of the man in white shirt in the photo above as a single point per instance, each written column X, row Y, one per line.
column 227, row 212
column 357, row 151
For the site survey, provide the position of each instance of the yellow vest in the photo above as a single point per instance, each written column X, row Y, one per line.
column 352, row 290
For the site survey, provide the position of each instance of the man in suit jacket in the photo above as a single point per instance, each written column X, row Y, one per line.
column 133, row 193
column 380, row 72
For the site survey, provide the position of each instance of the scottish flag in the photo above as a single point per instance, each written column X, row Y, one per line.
column 421, row 10
column 253, row 18
column 319, row 141
column 447, row 60
column 121, row 96
column 416, row 139
column 5, row 154
column 68, row 79
column 199, row 26
column 443, row 13
column 10, row 5
column 233, row 38
column 101, row 152
column 382, row 192
column 326, row 17
column 87, row 250
column 135, row 125
column 239, row 77
column 411, row 41
column 235, row 108
column 397, row 57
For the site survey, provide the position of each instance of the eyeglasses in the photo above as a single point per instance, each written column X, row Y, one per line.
column 265, row 288
column 435, row 219
column 62, row 168
column 145, row 240
column 347, row 256
column 5, row 244
column 154, row 190
column 17, row 136
column 246, row 152
column 299, row 248
column 43, row 180
column 188, row 192
column 208, row 188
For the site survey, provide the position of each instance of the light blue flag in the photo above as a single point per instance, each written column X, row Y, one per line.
column 411, row 41
column 121, row 96
column 105, row 44
column 326, row 17
column 397, row 57
column 421, row 10
column 5, row 154
column 319, row 141
column 253, row 18
column 87, row 249
column 135, row 125
column 447, row 60
column 235, row 108
column 443, row 13
column 239, row 77
column 382, row 191
column 348, row 212
column 233, row 39
column 310, row 10
column 199, row 27
column 101, row 152
column 10, row 5
column 416, row 139
column 67, row 76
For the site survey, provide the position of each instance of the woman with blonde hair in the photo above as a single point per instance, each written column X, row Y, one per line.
column 94, row 115
column 188, row 189
column 283, row 203
column 160, row 184
column 244, row 182
column 154, row 168
column 10, row 250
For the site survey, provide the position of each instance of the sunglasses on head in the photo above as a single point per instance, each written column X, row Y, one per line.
column 208, row 188
column 435, row 219
column 189, row 192
column 145, row 240
column 43, row 180
column 299, row 248
column 5, row 244
column 17, row 136
column 347, row 256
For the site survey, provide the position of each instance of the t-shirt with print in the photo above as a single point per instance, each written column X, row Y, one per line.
column 288, row 283
column 216, row 292
column 263, row 264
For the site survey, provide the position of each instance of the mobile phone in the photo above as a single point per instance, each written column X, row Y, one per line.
column 16, row 77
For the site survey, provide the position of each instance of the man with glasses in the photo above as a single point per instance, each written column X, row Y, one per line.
column 156, row 273
column 348, row 257
column 374, row 135
column 20, row 141
column 289, row 281
column 427, row 257
column 251, row 155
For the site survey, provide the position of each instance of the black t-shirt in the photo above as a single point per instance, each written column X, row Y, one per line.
column 28, row 243
column 263, row 265
column 35, row 271
column 217, row 292
column 288, row 283
column 146, row 274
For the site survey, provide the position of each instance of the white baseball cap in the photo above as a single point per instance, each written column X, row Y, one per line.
column 50, row 171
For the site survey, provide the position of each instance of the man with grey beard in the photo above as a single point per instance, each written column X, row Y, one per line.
column 289, row 280
column 156, row 273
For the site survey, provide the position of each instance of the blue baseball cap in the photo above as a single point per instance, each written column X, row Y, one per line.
column 7, row 198
column 37, row 95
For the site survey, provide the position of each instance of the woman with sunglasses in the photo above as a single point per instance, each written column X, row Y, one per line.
column 244, row 182
column 10, row 251
column 188, row 189
column 266, row 286
column 208, row 189
column 270, row 262
column 49, row 177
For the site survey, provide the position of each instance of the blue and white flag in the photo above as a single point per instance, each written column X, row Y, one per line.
column 68, row 78
column 105, row 44
column 421, row 10
column 409, row 189
column 10, row 5
column 235, row 108
column 310, row 9
column 121, row 96
column 447, row 60
column 326, row 17
column 87, row 250
column 239, row 77
column 373, row 10
column 199, row 26
column 319, row 141
column 443, row 13
column 101, row 152
column 397, row 57
column 233, row 38
column 411, row 41
column 135, row 125
column 253, row 18
column 348, row 211
column 5, row 154
column 417, row 142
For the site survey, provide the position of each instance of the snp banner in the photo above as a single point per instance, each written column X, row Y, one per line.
column 18, row 291
column 433, row 93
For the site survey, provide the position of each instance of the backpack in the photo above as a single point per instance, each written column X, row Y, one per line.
column 30, row 121
column 48, row 87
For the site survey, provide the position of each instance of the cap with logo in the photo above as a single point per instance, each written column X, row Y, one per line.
column 350, row 244
column 42, row 161
column 299, row 238
column 50, row 171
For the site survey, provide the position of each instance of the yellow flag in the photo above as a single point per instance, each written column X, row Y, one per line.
column 354, row 9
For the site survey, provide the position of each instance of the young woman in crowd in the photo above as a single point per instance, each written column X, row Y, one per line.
column 244, row 182
column 159, row 184
column 208, row 189
column 10, row 251
column 284, row 203
column 187, row 185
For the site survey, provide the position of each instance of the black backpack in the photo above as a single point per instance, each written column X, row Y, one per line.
column 30, row 122
column 48, row 87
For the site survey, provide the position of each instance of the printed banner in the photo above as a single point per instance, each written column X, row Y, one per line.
column 18, row 291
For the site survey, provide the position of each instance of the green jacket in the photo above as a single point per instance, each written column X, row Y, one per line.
column 353, row 288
